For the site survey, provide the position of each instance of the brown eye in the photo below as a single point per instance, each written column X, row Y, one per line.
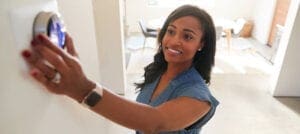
column 187, row 37
column 170, row 31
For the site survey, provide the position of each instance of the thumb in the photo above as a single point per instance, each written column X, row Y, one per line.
column 70, row 46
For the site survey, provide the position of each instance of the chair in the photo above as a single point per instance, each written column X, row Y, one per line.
column 147, row 32
column 235, row 30
column 238, row 27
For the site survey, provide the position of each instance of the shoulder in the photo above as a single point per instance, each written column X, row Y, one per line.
column 192, row 85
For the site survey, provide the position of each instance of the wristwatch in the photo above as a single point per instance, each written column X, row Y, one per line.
column 93, row 97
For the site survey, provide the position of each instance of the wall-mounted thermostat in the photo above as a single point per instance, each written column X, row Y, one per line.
column 49, row 23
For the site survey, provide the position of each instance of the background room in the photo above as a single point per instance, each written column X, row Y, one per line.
column 245, row 78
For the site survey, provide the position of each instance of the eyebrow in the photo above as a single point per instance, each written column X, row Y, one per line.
column 187, row 30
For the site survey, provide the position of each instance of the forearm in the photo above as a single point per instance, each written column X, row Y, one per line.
column 129, row 113
column 143, row 117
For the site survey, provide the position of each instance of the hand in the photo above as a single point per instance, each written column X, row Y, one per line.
column 73, row 82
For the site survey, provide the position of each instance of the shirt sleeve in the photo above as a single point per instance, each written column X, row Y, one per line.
column 200, row 92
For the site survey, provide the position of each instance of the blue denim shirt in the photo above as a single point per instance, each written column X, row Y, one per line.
column 189, row 84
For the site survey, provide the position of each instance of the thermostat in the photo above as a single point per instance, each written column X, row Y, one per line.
column 49, row 23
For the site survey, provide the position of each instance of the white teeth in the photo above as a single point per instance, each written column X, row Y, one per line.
column 174, row 51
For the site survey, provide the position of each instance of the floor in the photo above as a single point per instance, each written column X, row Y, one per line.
column 240, row 81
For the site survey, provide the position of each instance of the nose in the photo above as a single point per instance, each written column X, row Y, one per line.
column 176, row 40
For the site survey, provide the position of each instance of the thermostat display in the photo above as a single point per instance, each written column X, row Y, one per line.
column 50, row 24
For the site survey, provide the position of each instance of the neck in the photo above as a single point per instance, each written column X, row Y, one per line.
column 174, row 69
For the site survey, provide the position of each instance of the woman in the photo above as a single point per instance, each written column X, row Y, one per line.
column 174, row 98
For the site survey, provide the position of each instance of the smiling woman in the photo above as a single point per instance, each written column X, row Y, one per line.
column 182, row 65
column 177, row 80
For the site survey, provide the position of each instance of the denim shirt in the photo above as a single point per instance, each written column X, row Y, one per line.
column 188, row 84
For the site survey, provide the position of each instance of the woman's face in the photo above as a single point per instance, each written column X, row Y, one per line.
column 182, row 40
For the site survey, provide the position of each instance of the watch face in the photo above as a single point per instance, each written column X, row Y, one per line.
column 56, row 31
column 93, row 99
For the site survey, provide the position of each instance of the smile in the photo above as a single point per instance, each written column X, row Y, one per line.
column 173, row 50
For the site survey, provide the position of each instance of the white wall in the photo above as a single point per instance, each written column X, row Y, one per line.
column 80, row 24
column 229, row 9
column 233, row 9
column 138, row 9
column 286, row 78
column 263, row 14
column 26, row 107
column 110, row 40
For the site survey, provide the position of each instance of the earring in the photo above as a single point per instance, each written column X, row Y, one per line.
column 199, row 49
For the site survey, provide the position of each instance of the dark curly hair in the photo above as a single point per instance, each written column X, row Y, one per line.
column 203, row 60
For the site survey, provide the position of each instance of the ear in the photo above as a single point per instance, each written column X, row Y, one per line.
column 200, row 46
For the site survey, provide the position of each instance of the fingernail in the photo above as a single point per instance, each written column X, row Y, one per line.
column 40, row 37
column 33, row 43
column 26, row 54
column 34, row 72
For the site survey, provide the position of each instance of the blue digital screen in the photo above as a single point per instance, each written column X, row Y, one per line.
column 56, row 32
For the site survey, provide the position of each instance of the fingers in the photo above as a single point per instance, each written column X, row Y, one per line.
column 52, row 57
column 33, row 60
column 70, row 46
column 39, row 76
column 43, row 40
column 41, row 72
column 48, row 71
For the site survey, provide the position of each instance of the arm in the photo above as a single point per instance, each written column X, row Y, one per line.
column 172, row 115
